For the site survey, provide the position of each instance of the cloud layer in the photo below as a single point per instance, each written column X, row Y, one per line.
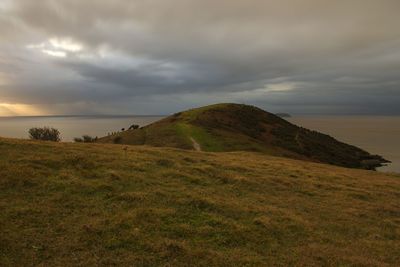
column 304, row 56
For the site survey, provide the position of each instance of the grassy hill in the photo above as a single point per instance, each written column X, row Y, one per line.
column 235, row 127
column 65, row 204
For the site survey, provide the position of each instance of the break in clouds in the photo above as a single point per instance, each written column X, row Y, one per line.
column 141, row 57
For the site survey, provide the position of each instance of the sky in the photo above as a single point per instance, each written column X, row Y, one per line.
column 162, row 56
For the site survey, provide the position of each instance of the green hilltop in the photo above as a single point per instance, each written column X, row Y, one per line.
column 237, row 127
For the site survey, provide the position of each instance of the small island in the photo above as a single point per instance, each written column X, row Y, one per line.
column 283, row 115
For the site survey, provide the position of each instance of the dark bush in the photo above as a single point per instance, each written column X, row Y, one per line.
column 85, row 139
column 89, row 139
column 45, row 134
column 78, row 140
column 134, row 127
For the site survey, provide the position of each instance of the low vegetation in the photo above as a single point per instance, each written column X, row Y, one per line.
column 45, row 134
column 133, row 127
column 85, row 139
column 69, row 204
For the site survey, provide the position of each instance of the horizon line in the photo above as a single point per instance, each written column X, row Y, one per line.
column 165, row 115
column 82, row 115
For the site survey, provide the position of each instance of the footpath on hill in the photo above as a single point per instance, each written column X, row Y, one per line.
column 196, row 145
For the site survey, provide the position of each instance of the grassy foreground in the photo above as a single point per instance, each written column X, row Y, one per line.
column 92, row 205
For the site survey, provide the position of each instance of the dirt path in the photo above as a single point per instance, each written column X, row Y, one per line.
column 196, row 145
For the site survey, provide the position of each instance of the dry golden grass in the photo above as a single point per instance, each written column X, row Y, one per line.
column 92, row 205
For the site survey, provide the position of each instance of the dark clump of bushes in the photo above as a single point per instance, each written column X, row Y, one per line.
column 45, row 134
column 133, row 127
column 85, row 139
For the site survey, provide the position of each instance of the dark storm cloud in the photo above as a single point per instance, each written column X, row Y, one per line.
column 305, row 56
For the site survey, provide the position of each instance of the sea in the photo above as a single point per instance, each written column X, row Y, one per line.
column 375, row 134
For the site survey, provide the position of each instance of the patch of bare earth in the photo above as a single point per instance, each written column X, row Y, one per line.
column 196, row 145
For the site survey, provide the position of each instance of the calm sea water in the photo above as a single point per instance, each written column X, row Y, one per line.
column 71, row 127
column 378, row 135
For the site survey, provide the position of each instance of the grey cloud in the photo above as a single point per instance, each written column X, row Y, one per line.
column 337, row 53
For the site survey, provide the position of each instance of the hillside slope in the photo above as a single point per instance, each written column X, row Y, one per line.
column 94, row 205
column 235, row 127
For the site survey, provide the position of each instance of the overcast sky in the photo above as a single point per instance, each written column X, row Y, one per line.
column 162, row 56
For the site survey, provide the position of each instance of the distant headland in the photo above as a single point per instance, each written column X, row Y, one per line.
column 238, row 127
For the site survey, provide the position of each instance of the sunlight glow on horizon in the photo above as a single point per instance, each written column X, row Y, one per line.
column 7, row 109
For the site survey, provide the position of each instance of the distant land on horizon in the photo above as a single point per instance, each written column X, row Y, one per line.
column 280, row 114
column 283, row 115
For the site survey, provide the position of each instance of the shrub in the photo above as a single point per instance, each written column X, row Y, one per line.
column 45, row 134
column 85, row 139
column 134, row 127
column 89, row 139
